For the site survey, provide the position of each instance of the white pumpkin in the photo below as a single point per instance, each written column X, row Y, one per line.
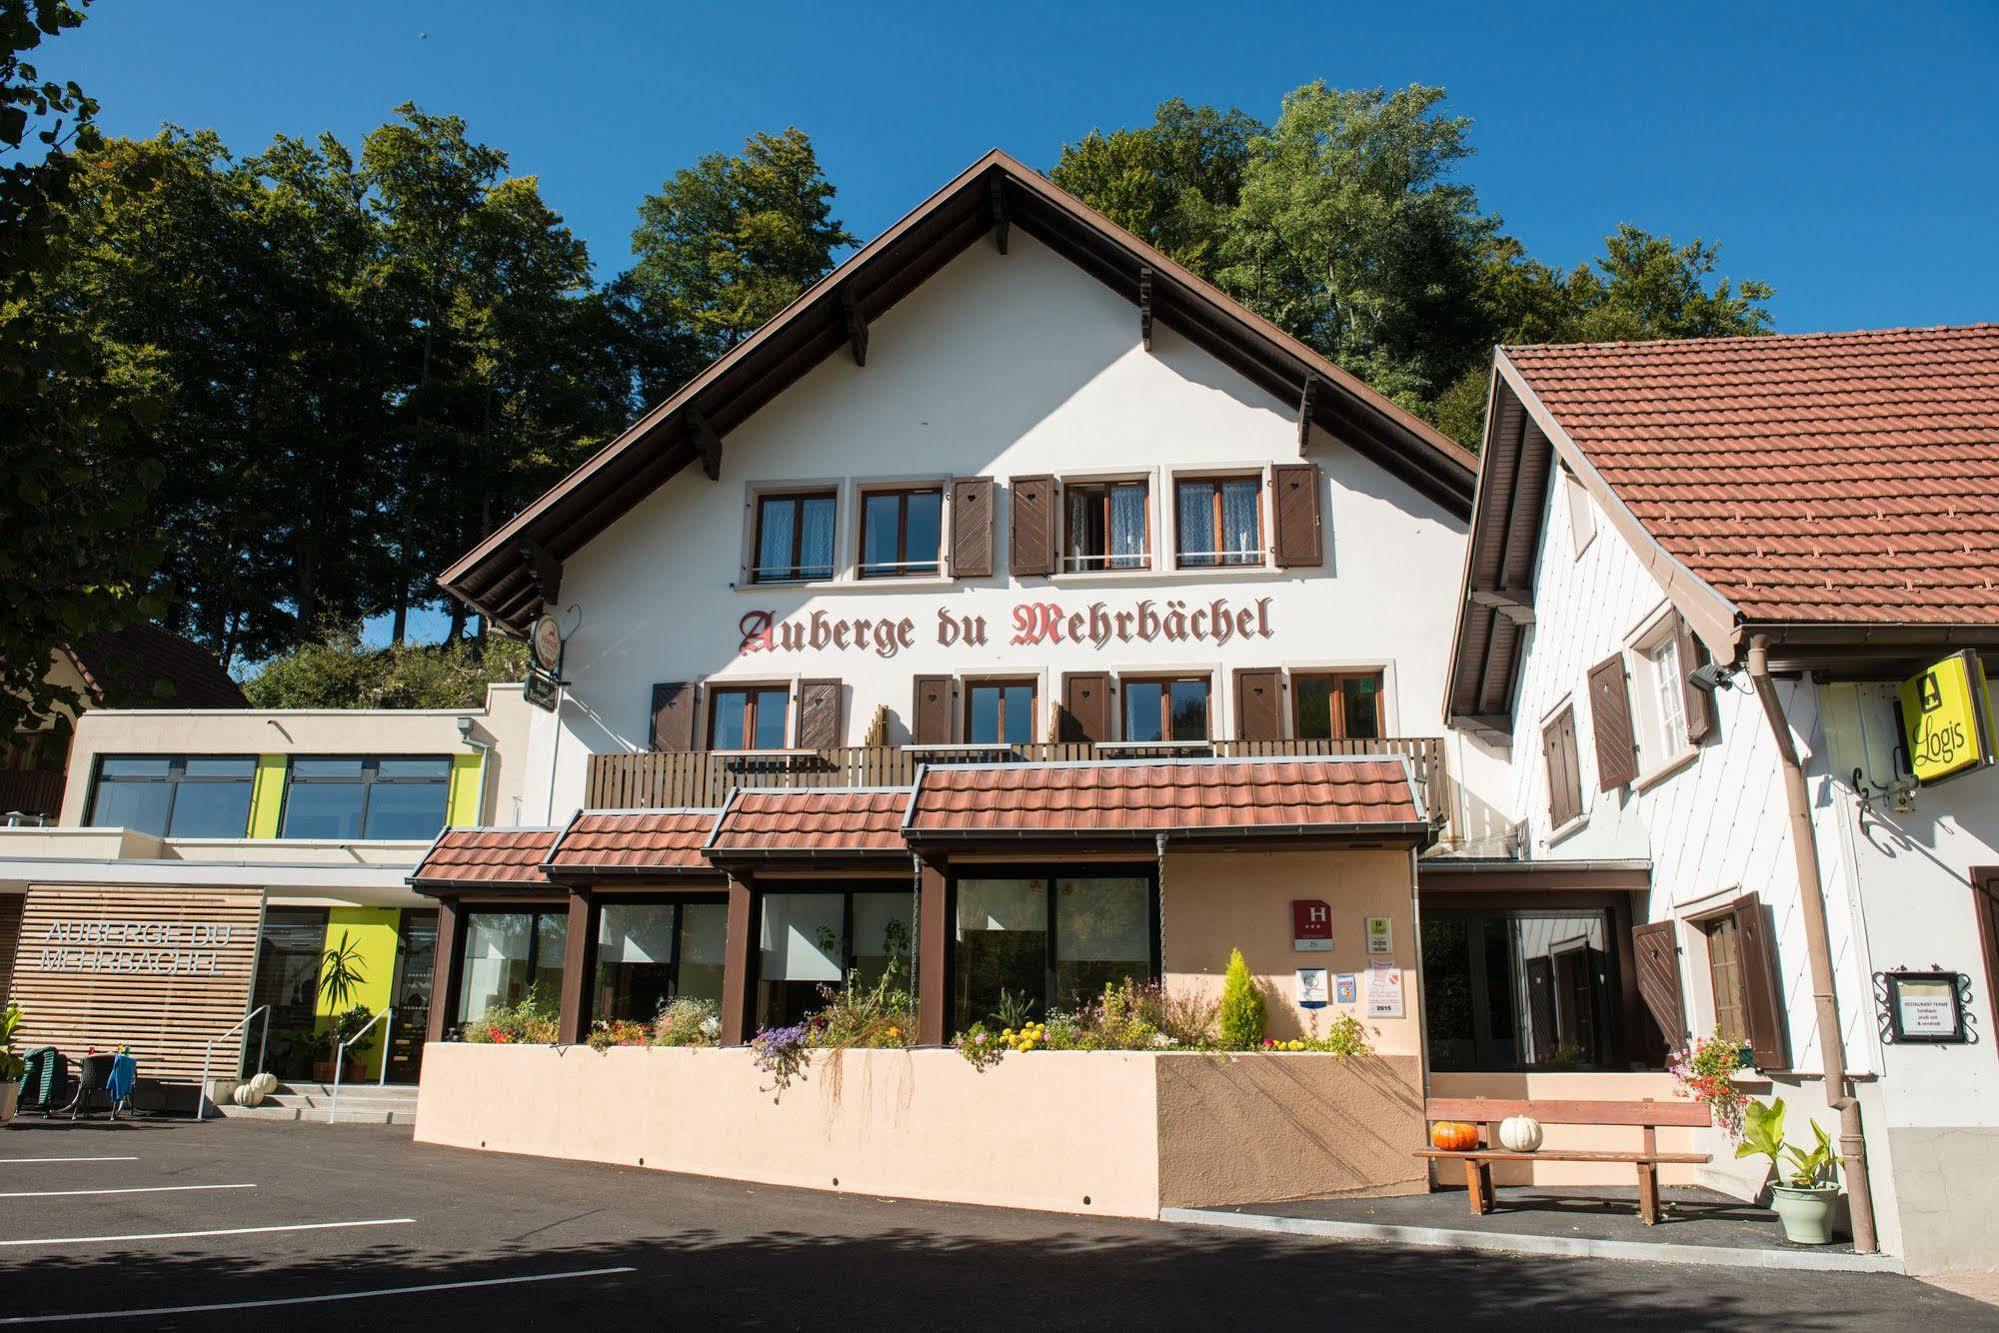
column 1519, row 1133
column 247, row 1093
column 267, row 1083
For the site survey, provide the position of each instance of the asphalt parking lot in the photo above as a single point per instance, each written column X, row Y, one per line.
column 307, row 1226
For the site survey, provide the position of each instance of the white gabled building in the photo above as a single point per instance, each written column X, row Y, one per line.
column 1818, row 518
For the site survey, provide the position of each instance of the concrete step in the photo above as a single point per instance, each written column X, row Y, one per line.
column 348, row 1114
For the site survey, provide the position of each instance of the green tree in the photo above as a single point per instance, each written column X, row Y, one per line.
column 1174, row 184
column 1243, row 1016
column 721, row 247
column 75, row 552
column 338, row 672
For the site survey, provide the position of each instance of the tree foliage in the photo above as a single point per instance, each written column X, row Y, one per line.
column 1349, row 223
column 338, row 672
column 721, row 247
column 76, row 469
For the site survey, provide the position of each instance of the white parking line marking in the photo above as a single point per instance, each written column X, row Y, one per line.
column 314, row 1300
column 226, row 1231
column 36, row 1161
column 136, row 1189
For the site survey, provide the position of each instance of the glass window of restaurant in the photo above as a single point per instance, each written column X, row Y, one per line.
column 509, row 953
column 999, row 712
column 815, row 938
column 1053, row 942
column 902, row 532
column 174, row 797
column 1106, row 525
column 1520, row 989
column 794, row 537
column 752, row 718
column 345, row 797
column 650, row 953
column 1338, row 706
column 1166, row 710
column 1219, row 522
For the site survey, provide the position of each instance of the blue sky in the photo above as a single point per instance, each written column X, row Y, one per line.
column 1844, row 153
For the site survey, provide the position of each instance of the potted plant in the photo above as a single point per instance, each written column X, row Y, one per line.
column 346, row 1027
column 11, row 1064
column 1804, row 1186
column 339, row 973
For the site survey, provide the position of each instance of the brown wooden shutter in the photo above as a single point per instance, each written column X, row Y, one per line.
column 1760, row 974
column 1031, row 525
column 1699, row 703
column 1558, row 752
column 1259, row 704
column 819, row 715
column 1658, row 966
column 971, row 527
column 1294, row 507
column 1086, row 707
column 1610, row 719
column 674, row 708
column 930, row 715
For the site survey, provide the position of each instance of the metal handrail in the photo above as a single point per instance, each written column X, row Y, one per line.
column 263, row 1044
column 388, row 1020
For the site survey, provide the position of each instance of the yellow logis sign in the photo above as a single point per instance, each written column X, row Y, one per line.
column 1945, row 722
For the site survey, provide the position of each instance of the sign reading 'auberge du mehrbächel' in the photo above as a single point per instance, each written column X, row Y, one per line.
column 1945, row 718
column 165, row 948
column 1031, row 624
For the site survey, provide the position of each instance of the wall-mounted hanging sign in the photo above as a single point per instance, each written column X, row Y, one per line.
column 1923, row 1006
column 540, row 688
column 547, row 642
column 1380, row 935
column 1946, row 723
column 1312, row 992
column 1311, row 926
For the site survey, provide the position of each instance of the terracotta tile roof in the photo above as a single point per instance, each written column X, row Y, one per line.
column 1154, row 797
column 144, row 666
column 1849, row 477
column 499, row 856
column 842, row 820
column 633, row 841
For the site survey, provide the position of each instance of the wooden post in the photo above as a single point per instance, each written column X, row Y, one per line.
column 736, row 969
column 446, row 971
column 933, row 955
column 579, row 951
column 1648, row 1180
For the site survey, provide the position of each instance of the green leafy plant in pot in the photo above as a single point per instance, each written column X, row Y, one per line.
column 11, row 1065
column 1804, row 1183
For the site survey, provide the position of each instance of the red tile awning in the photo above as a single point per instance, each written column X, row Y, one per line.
column 616, row 844
column 841, row 822
column 1197, row 798
column 504, row 859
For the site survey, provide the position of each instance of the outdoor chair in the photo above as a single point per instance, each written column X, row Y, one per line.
column 124, row 1077
column 44, row 1077
column 93, row 1082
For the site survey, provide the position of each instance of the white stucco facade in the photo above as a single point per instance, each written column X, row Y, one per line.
column 1712, row 823
column 1001, row 365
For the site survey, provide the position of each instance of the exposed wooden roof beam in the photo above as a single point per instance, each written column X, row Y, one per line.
column 1516, row 604
column 1145, row 307
column 857, row 327
column 707, row 441
column 1307, row 402
column 999, row 211
column 545, row 569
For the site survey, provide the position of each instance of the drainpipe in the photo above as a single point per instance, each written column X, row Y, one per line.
column 1811, row 898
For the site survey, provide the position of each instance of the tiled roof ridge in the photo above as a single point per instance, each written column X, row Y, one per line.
column 1756, row 339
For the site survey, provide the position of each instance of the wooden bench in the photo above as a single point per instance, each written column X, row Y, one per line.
column 1487, row 1112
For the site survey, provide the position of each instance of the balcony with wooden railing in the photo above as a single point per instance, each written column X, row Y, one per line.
column 654, row 779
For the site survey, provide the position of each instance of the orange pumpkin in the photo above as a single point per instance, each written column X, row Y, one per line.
column 1454, row 1136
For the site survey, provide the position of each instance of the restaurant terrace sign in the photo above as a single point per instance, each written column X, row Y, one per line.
column 1030, row 624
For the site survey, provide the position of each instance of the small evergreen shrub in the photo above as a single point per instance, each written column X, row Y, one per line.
column 1242, row 1017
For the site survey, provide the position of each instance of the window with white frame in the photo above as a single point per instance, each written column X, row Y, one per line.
column 1659, row 696
column 1218, row 521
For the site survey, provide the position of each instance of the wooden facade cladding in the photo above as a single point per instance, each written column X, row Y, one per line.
column 1086, row 708
column 675, row 706
column 651, row 780
column 1297, row 539
column 132, row 987
column 1610, row 723
column 1259, row 704
column 1030, row 526
column 1657, row 961
column 972, row 501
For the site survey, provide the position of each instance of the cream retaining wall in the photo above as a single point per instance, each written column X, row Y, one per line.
column 1118, row 1133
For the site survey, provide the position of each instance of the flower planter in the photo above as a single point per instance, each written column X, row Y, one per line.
column 1805, row 1213
column 10, row 1096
